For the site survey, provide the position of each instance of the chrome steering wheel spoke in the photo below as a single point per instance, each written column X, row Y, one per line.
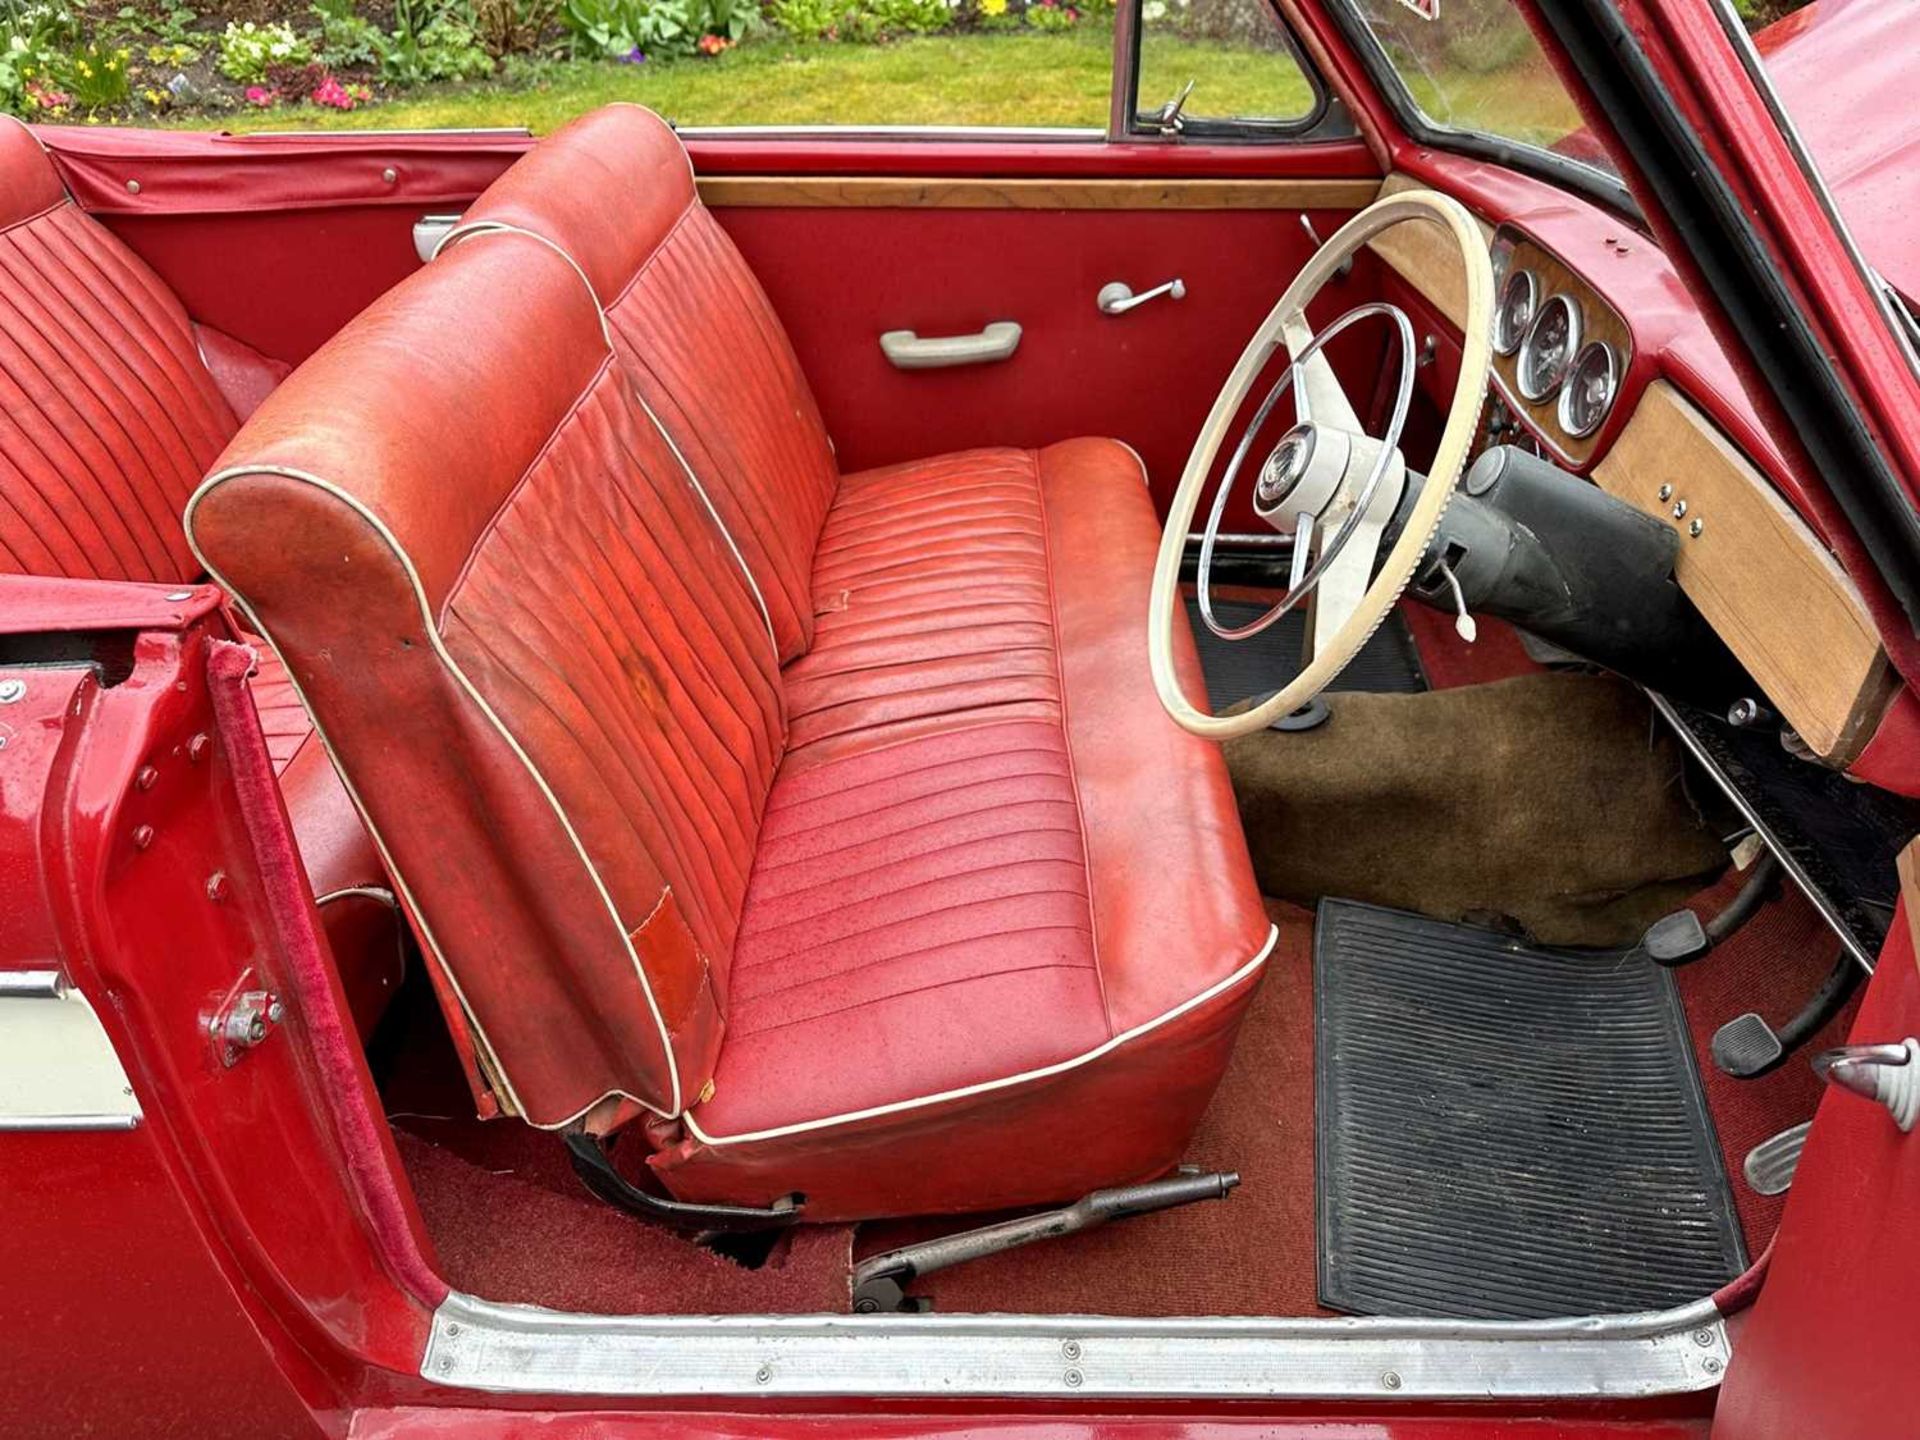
column 1310, row 484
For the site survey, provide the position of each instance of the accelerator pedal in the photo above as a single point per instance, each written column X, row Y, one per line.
column 1771, row 1164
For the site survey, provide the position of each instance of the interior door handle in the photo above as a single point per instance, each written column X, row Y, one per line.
column 907, row 351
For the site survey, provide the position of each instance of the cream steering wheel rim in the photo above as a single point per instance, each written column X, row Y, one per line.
column 1285, row 325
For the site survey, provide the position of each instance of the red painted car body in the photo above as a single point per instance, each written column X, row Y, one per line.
column 245, row 1261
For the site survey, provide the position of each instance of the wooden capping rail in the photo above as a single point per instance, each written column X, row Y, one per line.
column 818, row 192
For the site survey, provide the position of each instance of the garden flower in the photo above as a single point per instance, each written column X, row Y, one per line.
column 261, row 96
column 993, row 7
column 713, row 44
column 332, row 93
column 635, row 56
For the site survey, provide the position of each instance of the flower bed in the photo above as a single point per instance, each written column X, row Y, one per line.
column 162, row 61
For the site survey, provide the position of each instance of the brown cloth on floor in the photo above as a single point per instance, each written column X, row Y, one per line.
column 1546, row 803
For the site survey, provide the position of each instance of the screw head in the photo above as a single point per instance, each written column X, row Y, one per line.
column 1694, row 527
column 198, row 747
column 1074, row 1379
column 12, row 690
column 763, row 1375
column 1703, row 1337
column 133, row 187
column 145, row 779
column 1711, row 1365
column 1071, row 1350
column 1391, row 1379
column 142, row 836
column 1666, row 492
column 1679, row 508
column 390, row 175
column 218, row 886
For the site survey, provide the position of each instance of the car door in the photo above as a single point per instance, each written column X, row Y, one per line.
column 1829, row 1347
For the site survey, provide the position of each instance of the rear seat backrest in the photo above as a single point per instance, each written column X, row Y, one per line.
column 108, row 417
column 615, row 191
column 568, row 728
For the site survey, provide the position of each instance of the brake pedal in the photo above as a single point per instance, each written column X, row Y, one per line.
column 1771, row 1164
column 1746, row 1047
column 880, row 1281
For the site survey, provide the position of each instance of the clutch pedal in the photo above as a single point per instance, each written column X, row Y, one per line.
column 1680, row 939
column 880, row 1281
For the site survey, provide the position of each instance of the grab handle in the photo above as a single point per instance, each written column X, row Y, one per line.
column 907, row 351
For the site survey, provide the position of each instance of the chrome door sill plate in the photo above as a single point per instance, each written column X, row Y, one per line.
column 481, row 1345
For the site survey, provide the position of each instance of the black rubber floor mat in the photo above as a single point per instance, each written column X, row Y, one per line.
column 1262, row 663
column 1504, row 1131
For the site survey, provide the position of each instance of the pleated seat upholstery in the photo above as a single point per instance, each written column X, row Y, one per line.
column 828, row 825
column 109, row 415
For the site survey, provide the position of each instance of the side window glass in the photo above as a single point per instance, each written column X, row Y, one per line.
column 1221, row 67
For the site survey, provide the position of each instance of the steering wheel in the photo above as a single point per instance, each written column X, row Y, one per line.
column 1327, row 483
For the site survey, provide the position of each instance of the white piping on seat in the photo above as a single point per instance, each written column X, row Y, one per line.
column 440, row 650
column 500, row 227
column 766, row 615
column 496, row 227
column 1045, row 1072
column 350, row 892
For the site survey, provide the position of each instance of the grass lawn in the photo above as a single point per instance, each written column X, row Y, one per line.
column 1014, row 79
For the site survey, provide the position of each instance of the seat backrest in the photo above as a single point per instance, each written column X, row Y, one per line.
column 533, row 655
column 108, row 415
column 615, row 191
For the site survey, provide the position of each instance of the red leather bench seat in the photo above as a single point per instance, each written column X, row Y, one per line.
column 831, row 824
column 109, row 416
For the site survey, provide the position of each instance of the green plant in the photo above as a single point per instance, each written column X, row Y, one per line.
column 1049, row 15
column 910, row 17
column 95, row 75
column 432, row 40
column 624, row 29
column 171, row 21
column 808, row 19
column 735, row 19
column 347, row 39
column 246, row 51
column 512, row 27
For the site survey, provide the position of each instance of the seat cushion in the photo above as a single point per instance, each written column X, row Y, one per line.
column 1001, row 922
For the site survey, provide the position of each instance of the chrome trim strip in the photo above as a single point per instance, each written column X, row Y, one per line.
column 32, row 985
column 480, row 1345
column 1075, row 133
column 56, row 1124
column 1865, row 961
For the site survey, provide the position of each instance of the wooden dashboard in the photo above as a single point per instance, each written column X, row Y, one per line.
column 1760, row 577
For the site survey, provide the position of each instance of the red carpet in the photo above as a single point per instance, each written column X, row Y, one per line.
column 1250, row 1254
column 512, row 1223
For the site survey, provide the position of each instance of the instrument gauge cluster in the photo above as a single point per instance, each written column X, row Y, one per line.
column 1548, row 349
column 1560, row 351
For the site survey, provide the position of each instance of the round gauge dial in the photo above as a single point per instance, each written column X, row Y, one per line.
column 1589, row 389
column 1514, row 312
column 1548, row 349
